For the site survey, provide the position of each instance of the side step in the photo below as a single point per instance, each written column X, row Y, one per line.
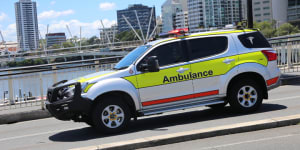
column 162, row 109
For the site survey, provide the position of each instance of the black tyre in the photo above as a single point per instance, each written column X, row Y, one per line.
column 89, row 121
column 218, row 106
column 111, row 115
column 245, row 96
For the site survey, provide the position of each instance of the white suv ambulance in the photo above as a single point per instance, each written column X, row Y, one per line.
column 204, row 69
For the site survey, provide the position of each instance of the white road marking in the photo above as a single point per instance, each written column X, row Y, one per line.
column 35, row 134
column 250, row 141
column 280, row 99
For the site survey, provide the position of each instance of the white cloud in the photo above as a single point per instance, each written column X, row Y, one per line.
column 89, row 29
column 53, row 2
column 55, row 14
column 2, row 16
column 107, row 6
column 10, row 33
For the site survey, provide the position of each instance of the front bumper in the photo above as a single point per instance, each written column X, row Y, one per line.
column 67, row 108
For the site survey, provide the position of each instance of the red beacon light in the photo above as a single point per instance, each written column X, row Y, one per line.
column 176, row 32
column 181, row 31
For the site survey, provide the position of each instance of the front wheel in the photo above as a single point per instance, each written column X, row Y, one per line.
column 111, row 116
column 245, row 96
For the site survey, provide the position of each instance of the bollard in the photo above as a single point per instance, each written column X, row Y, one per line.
column 289, row 54
column 20, row 93
column 54, row 74
column 29, row 94
column 42, row 90
column 97, row 66
column 10, row 89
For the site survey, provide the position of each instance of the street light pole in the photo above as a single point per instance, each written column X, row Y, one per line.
column 250, row 13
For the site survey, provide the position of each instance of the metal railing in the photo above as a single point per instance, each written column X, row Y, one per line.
column 288, row 59
column 288, row 51
column 79, row 50
column 27, row 86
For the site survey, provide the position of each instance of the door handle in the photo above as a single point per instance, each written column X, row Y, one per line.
column 228, row 61
column 182, row 70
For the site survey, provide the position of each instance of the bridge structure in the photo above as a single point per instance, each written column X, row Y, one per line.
column 90, row 51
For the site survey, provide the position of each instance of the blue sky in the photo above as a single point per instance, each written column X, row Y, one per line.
column 75, row 13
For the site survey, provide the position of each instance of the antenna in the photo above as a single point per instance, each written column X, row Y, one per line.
column 132, row 28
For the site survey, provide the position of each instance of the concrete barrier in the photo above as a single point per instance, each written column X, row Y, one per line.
column 197, row 134
column 23, row 116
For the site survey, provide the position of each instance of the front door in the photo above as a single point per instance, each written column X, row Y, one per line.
column 172, row 83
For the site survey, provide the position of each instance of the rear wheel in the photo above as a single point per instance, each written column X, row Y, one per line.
column 245, row 96
column 111, row 115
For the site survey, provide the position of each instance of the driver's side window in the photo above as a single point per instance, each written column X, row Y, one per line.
column 167, row 54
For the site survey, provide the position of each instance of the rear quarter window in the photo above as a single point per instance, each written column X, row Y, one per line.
column 205, row 47
column 254, row 40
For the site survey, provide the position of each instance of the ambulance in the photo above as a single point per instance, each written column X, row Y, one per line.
column 215, row 68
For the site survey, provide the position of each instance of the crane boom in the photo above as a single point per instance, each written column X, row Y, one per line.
column 3, row 41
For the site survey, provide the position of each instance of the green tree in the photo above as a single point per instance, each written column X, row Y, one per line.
column 39, row 61
column 286, row 29
column 128, row 35
column 93, row 40
column 68, row 44
column 267, row 28
column 55, row 46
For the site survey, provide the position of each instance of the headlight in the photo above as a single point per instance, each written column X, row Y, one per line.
column 66, row 92
column 86, row 86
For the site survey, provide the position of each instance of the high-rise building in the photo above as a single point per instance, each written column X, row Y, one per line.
column 268, row 10
column 55, row 38
column 27, row 24
column 159, row 24
column 168, row 11
column 181, row 19
column 293, row 12
column 205, row 14
column 143, row 13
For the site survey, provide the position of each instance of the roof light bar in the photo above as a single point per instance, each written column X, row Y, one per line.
column 176, row 32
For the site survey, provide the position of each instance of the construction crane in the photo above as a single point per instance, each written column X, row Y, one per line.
column 75, row 42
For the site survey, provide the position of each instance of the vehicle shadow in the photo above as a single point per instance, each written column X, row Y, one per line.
column 160, row 123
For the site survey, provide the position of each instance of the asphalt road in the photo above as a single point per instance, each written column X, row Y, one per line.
column 54, row 134
column 272, row 139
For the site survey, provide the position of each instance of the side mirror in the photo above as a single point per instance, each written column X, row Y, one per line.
column 152, row 64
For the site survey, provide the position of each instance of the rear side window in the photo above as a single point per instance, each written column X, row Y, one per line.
column 254, row 40
column 204, row 47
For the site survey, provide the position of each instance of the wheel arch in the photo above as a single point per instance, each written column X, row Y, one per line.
column 123, row 95
column 250, row 75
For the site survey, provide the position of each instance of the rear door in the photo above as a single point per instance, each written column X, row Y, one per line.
column 210, row 58
column 171, row 84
